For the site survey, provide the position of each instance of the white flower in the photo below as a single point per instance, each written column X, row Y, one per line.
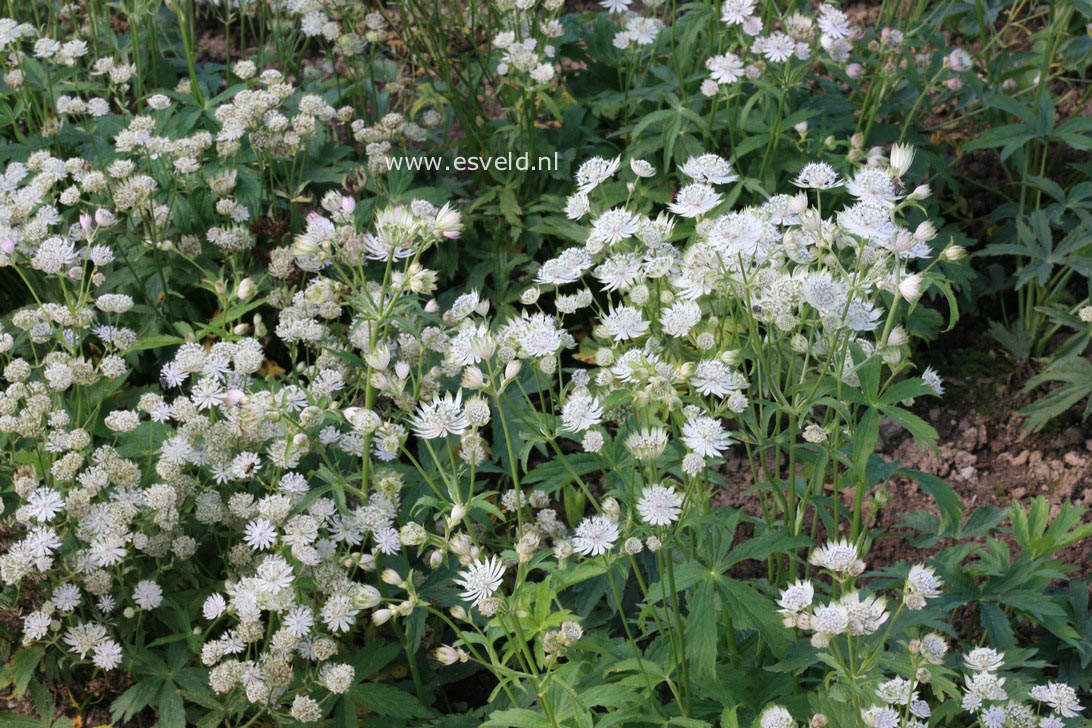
column 577, row 206
column 66, row 597
column 776, row 48
column 873, row 185
column 712, row 376
column 622, row 271
column 933, row 380
column 338, row 613
column 832, row 619
column 694, row 200
column 984, row 659
column 612, row 227
column 736, row 12
column 797, row 597
column 1061, row 698
column 897, row 691
column 299, row 621
column 36, row 626
column 817, row 176
column 880, row 717
column 659, row 505
column 680, row 318
column 214, row 606
column 594, row 171
column 642, row 168
column 387, row 541
column 147, row 594
column 43, row 505
column 725, row 69
column 567, row 267
column 580, row 412
column 837, row 556
column 440, row 417
column 624, row 323
column 260, row 534
column 775, row 716
column 869, row 221
column 647, row 444
column 924, row 581
column 481, row 580
column 595, row 535
column 709, row 168
column 705, row 436
column 615, row 6
column 106, row 655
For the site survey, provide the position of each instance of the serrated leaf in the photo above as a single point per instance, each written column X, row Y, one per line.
column 387, row 700
column 701, row 631
column 516, row 718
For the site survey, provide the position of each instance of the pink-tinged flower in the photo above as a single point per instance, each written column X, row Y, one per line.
column 104, row 218
column 85, row 221
column 7, row 246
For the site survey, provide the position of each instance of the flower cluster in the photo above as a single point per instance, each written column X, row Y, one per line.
column 986, row 696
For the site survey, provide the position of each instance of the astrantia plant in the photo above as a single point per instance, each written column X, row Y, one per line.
column 780, row 327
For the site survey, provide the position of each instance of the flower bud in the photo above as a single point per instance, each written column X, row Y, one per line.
column 910, row 287
column 925, row 232
column 902, row 156
column 954, row 252
column 891, row 356
column 446, row 655
column 921, row 192
column 245, row 290
column 473, row 378
column 391, row 577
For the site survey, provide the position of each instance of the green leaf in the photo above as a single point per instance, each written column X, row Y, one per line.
column 922, row 431
column 948, row 502
column 157, row 341
column 374, row 657
column 170, row 709
column 134, row 700
column 997, row 626
column 389, row 701
column 20, row 669
column 516, row 718
column 751, row 610
column 701, row 631
column 762, row 546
